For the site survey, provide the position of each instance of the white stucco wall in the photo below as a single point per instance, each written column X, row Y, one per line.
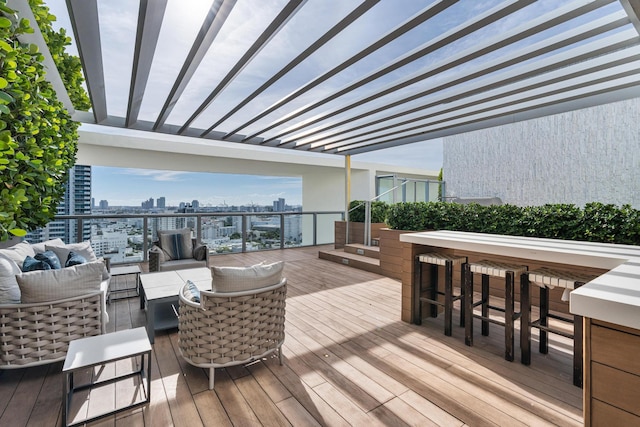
column 578, row 157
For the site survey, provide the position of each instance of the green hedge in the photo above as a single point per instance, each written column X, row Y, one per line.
column 378, row 211
column 596, row 222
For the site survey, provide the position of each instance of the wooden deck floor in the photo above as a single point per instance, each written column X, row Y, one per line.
column 348, row 360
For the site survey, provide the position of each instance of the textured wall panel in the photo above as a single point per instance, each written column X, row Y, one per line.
column 578, row 157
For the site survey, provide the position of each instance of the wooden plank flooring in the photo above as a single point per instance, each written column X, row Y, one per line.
column 348, row 360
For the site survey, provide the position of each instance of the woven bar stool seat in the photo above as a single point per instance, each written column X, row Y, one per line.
column 546, row 279
column 430, row 294
column 495, row 269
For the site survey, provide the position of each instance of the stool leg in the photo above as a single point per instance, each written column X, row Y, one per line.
column 485, row 304
column 468, row 303
column 463, row 304
column 525, row 320
column 433, row 290
column 448, row 298
column 416, row 307
column 509, row 317
column 577, row 346
column 544, row 320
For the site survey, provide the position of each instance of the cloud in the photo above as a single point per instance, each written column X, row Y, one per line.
column 156, row 175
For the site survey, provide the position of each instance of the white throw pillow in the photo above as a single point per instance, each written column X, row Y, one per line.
column 9, row 289
column 40, row 247
column 236, row 279
column 51, row 285
column 18, row 252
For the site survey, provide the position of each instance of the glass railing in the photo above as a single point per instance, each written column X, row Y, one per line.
column 127, row 237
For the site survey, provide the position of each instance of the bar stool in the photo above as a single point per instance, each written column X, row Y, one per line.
column 496, row 269
column 547, row 278
column 430, row 294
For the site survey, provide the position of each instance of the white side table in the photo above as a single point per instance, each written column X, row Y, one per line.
column 123, row 271
column 99, row 350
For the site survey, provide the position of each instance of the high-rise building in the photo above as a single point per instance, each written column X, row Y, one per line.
column 279, row 205
column 161, row 202
column 104, row 204
column 147, row 204
column 76, row 201
column 195, row 205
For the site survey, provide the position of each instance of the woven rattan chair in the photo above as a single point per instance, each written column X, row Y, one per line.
column 231, row 328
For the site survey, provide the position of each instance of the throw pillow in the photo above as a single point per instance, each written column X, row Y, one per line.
column 32, row 264
column 40, row 247
column 9, row 289
column 74, row 259
column 191, row 292
column 176, row 244
column 18, row 252
column 50, row 258
column 236, row 279
column 44, row 286
column 83, row 248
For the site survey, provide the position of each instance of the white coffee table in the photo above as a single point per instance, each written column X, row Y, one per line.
column 102, row 349
column 159, row 294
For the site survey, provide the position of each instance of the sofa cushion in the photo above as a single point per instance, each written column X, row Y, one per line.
column 9, row 289
column 32, row 264
column 83, row 249
column 236, row 279
column 50, row 258
column 43, row 286
column 18, row 252
column 41, row 247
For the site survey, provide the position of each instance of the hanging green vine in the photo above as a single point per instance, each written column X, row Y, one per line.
column 38, row 139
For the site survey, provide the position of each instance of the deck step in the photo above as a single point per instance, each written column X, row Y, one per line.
column 352, row 260
column 360, row 249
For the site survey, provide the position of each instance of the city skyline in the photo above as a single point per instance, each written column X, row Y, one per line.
column 213, row 189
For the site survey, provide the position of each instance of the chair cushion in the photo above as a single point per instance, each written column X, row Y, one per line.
column 9, row 289
column 181, row 264
column 236, row 279
column 41, row 247
column 176, row 244
column 51, row 285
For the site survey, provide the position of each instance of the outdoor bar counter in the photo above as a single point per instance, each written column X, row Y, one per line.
column 610, row 305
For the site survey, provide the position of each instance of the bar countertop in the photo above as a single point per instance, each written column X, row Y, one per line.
column 612, row 297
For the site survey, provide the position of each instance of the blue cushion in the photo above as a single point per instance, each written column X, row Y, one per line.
column 176, row 244
column 50, row 258
column 74, row 259
column 191, row 292
column 32, row 264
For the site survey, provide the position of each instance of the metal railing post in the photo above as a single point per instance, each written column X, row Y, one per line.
column 244, row 233
column 315, row 229
column 367, row 224
column 281, row 231
column 145, row 243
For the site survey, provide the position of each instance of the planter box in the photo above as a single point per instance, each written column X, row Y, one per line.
column 356, row 232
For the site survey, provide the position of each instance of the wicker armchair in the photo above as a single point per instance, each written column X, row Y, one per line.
column 158, row 260
column 231, row 328
column 39, row 333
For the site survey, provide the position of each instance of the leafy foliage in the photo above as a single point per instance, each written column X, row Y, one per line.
column 38, row 139
column 596, row 222
column 378, row 211
column 69, row 66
